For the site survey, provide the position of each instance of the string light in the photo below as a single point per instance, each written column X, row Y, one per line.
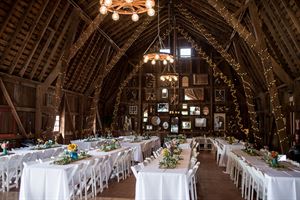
column 267, row 67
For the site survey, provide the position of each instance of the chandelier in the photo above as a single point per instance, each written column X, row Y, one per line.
column 127, row 7
column 153, row 57
column 169, row 74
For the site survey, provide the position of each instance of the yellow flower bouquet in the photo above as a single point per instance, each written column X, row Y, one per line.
column 72, row 147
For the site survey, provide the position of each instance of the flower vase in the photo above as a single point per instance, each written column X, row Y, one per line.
column 274, row 162
column 74, row 155
column 4, row 152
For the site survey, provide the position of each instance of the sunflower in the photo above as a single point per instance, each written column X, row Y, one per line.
column 72, row 147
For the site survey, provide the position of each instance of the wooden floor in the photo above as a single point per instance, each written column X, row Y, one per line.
column 213, row 185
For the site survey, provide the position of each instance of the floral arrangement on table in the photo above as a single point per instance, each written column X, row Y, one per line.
column 180, row 138
column 168, row 161
column 146, row 137
column 250, row 150
column 91, row 139
column 272, row 159
column 110, row 145
column 71, row 155
column 230, row 139
column 4, row 147
column 46, row 145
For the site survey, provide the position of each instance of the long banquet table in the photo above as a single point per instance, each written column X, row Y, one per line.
column 281, row 184
column 165, row 184
column 138, row 154
column 224, row 148
column 85, row 144
column 51, row 182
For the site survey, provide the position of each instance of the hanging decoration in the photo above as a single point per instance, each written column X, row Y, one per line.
column 217, row 73
column 127, row 7
column 169, row 74
column 246, row 81
column 163, row 56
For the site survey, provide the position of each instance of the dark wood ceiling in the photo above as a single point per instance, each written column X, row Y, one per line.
column 34, row 35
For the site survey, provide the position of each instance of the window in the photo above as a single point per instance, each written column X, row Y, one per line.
column 164, row 51
column 185, row 52
column 56, row 124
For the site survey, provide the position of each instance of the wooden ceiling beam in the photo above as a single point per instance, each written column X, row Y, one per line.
column 54, row 49
column 281, row 32
column 90, row 56
column 292, row 15
column 43, row 28
column 101, row 54
column 106, row 69
column 46, row 45
column 276, row 9
column 259, row 46
column 27, row 37
column 83, row 56
column 14, row 35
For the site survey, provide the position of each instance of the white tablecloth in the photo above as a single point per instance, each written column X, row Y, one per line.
column 186, row 145
column 45, row 181
column 36, row 154
column 224, row 146
column 154, row 183
column 83, row 145
column 138, row 155
column 282, row 184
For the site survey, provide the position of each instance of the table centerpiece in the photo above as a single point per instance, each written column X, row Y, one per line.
column 47, row 145
column 71, row 155
column 250, row 150
column 168, row 161
column 110, row 145
column 4, row 147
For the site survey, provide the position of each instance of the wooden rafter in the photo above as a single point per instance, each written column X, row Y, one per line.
column 106, row 69
column 48, row 42
column 35, row 46
column 27, row 38
column 260, row 48
column 13, row 37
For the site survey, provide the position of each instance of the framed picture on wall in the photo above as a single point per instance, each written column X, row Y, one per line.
column 200, row 79
column 163, row 107
column 194, row 110
column 200, row 122
column 219, row 121
column 133, row 110
column 219, row 95
column 186, row 125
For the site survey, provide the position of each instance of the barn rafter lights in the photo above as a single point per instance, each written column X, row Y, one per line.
column 127, row 7
column 154, row 57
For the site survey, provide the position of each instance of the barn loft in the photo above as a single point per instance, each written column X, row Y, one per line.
column 93, row 91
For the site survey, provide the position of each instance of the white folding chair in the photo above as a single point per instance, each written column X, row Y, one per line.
column 118, row 166
column 135, row 169
column 12, row 172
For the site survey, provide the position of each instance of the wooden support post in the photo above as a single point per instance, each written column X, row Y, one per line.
column 13, row 109
column 38, row 110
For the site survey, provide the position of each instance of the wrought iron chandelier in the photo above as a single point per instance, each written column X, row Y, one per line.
column 154, row 57
column 127, row 7
column 169, row 74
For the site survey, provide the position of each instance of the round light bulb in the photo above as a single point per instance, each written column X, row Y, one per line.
column 168, row 57
column 145, row 60
column 149, row 4
column 153, row 62
column 175, row 78
column 165, row 62
column 107, row 2
column 156, row 56
column 146, row 57
column 162, row 78
column 135, row 17
column 171, row 60
column 103, row 10
column 115, row 16
column 151, row 12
